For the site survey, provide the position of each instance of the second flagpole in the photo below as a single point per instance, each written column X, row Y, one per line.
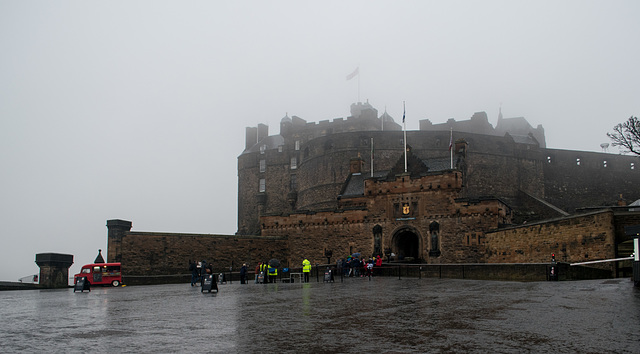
column 404, row 128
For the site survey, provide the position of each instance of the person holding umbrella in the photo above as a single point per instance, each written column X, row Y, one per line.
column 273, row 270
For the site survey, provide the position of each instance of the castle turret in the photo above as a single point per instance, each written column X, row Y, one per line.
column 251, row 137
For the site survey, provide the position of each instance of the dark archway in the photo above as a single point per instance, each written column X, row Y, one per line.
column 406, row 245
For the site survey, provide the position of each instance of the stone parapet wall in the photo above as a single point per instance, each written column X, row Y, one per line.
column 154, row 254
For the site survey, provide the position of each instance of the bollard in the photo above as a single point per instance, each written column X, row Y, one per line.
column 636, row 261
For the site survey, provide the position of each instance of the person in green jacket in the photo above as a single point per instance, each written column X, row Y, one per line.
column 306, row 269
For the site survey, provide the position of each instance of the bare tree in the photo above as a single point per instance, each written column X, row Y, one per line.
column 627, row 135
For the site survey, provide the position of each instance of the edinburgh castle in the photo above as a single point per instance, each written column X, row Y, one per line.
column 458, row 192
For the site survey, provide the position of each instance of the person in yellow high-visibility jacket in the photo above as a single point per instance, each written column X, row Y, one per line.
column 273, row 273
column 263, row 270
column 306, row 269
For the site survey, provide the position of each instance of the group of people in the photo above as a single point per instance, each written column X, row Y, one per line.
column 356, row 267
column 199, row 270
column 266, row 272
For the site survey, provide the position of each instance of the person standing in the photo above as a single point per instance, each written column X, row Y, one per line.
column 204, row 268
column 273, row 273
column 243, row 274
column 263, row 272
column 378, row 267
column 306, row 269
column 258, row 268
column 194, row 272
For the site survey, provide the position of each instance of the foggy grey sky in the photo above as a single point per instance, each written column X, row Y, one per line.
column 136, row 110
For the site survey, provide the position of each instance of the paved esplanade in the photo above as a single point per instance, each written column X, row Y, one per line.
column 357, row 316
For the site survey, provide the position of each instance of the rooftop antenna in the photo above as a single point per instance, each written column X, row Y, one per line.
column 605, row 147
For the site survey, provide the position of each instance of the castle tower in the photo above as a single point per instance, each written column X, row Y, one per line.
column 117, row 229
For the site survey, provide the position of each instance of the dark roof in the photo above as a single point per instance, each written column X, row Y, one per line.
column 435, row 165
column 354, row 186
column 524, row 139
column 415, row 166
column 99, row 258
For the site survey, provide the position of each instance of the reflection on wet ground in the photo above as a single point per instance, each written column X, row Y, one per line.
column 384, row 315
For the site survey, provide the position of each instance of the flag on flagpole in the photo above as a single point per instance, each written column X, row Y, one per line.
column 353, row 74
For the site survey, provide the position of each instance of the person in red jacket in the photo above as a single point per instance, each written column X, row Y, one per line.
column 378, row 265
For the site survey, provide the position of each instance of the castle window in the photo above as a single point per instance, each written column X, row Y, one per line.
column 633, row 166
column 306, row 152
column 434, row 229
column 294, row 183
column 548, row 159
column 280, row 148
column 263, row 148
column 578, row 162
column 402, row 142
column 263, row 165
column 604, row 164
column 297, row 145
column 263, row 185
column 294, row 163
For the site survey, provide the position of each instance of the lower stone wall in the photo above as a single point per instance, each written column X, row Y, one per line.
column 573, row 239
column 164, row 256
column 484, row 271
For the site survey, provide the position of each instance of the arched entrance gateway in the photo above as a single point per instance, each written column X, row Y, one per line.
column 405, row 244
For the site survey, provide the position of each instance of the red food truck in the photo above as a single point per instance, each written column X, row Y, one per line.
column 100, row 274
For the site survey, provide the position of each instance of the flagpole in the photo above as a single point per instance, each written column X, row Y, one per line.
column 451, row 147
column 358, row 83
column 404, row 128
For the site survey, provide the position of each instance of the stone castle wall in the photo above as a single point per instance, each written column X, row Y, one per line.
column 575, row 179
column 165, row 254
column 573, row 239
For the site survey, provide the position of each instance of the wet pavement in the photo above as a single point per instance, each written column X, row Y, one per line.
column 384, row 315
